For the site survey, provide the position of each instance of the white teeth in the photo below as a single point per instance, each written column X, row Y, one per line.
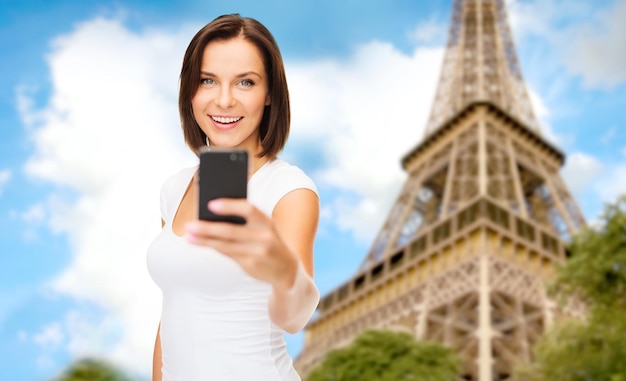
column 222, row 119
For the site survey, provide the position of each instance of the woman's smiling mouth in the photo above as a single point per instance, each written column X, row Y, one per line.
column 226, row 119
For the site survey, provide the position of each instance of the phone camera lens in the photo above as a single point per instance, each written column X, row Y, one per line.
column 233, row 156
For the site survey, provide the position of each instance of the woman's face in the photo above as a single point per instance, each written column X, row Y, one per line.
column 232, row 94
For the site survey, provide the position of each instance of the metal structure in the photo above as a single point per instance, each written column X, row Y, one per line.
column 479, row 225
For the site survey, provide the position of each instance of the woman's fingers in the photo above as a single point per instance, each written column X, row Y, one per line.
column 255, row 245
column 257, row 230
column 200, row 231
column 258, row 257
column 230, row 206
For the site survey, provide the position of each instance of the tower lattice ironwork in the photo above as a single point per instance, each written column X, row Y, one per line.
column 479, row 225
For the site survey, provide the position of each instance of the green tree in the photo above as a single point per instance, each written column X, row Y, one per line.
column 388, row 356
column 90, row 369
column 596, row 270
column 594, row 348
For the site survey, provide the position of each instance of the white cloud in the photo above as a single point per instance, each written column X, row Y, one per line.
column 35, row 214
column 542, row 114
column 5, row 176
column 581, row 171
column 106, row 133
column 546, row 17
column 34, row 217
column 540, row 29
column 527, row 17
column 365, row 113
column 588, row 37
column 51, row 336
column 598, row 48
column 585, row 174
column 564, row 39
column 430, row 31
column 613, row 184
column 49, row 339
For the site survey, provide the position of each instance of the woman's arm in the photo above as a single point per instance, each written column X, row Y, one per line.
column 277, row 250
column 156, row 358
column 296, row 219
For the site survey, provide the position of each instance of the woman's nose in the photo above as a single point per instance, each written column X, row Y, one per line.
column 225, row 97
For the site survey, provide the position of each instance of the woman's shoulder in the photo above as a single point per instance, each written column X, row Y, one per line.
column 283, row 172
column 172, row 190
column 281, row 166
column 178, row 179
column 273, row 181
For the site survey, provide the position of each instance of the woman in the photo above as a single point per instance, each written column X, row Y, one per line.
column 231, row 291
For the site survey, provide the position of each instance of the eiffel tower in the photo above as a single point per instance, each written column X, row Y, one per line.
column 479, row 225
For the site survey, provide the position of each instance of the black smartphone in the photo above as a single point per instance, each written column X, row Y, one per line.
column 222, row 173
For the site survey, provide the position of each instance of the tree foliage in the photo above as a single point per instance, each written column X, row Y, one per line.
column 388, row 356
column 596, row 271
column 89, row 369
column 595, row 348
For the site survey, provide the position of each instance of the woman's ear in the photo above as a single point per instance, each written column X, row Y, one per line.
column 268, row 100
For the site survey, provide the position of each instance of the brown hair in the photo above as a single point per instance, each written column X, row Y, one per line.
column 274, row 127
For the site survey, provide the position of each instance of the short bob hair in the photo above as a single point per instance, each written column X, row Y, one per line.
column 274, row 127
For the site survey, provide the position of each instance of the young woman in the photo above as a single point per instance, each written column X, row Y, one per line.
column 231, row 291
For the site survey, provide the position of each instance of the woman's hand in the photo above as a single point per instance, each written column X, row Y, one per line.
column 255, row 245
column 277, row 250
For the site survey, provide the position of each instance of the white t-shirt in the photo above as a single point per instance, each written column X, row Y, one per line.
column 215, row 324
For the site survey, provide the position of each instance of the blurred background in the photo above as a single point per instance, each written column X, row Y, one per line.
column 89, row 130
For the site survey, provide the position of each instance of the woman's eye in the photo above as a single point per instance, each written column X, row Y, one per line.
column 207, row 81
column 246, row 83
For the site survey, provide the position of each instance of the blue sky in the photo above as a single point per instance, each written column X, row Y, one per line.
column 89, row 130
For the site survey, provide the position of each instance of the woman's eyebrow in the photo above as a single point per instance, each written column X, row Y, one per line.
column 248, row 73
column 245, row 74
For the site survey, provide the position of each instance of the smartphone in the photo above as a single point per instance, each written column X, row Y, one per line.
column 223, row 173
